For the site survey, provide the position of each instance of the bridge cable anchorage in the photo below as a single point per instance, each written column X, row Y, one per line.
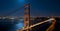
column 38, row 24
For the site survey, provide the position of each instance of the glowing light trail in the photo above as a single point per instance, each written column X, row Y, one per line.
column 38, row 24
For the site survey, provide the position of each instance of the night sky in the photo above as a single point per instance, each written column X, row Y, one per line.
column 38, row 7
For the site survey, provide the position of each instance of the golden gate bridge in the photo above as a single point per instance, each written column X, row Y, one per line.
column 27, row 26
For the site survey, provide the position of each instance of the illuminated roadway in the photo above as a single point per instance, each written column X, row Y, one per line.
column 38, row 24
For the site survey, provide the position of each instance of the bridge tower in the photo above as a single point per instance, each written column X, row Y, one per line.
column 26, row 16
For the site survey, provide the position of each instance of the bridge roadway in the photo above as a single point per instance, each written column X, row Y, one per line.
column 43, row 27
column 40, row 24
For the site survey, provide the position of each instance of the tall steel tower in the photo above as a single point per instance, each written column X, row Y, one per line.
column 27, row 16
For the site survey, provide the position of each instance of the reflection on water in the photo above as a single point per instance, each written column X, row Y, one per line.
column 10, row 25
column 19, row 25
